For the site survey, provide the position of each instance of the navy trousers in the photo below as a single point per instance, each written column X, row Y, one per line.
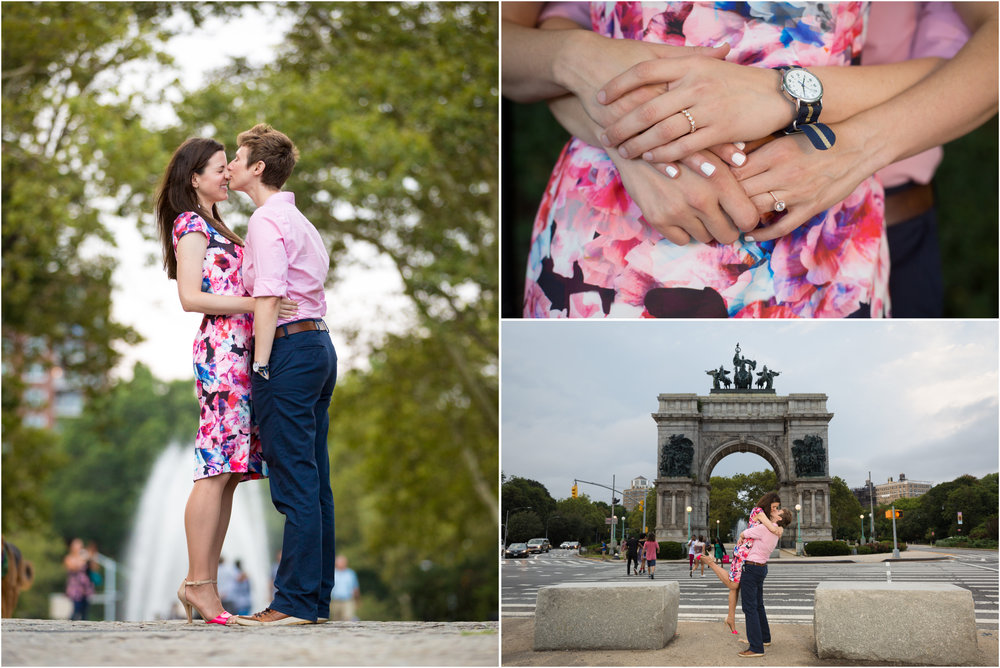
column 291, row 410
column 752, row 592
column 916, row 284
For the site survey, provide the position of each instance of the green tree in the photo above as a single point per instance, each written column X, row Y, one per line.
column 72, row 139
column 519, row 492
column 394, row 110
column 524, row 525
column 413, row 467
column 114, row 443
column 845, row 511
column 585, row 519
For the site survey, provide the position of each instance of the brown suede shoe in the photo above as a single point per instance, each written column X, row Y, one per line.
column 269, row 617
column 746, row 654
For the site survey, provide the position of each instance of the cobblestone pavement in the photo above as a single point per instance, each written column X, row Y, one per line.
column 37, row 642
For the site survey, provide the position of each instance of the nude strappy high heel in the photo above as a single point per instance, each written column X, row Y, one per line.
column 222, row 619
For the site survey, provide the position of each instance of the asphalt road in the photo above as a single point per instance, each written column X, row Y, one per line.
column 789, row 588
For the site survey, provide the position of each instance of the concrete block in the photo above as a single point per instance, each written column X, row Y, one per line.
column 925, row 623
column 607, row 615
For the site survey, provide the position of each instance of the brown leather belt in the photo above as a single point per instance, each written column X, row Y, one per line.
column 301, row 326
column 908, row 203
column 747, row 561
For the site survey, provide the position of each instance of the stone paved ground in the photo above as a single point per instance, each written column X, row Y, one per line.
column 37, row 642
column 696, row 644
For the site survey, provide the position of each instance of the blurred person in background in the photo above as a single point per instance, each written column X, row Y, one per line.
column 242, row 599
column 79, row 586
column 346, row 593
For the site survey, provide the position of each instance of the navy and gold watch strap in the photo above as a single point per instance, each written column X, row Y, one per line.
column 820, row 134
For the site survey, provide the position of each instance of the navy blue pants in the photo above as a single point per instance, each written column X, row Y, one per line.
column 291, row 410
column 752, row 593
column 916, row 285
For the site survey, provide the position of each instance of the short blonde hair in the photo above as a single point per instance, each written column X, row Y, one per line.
column 274, row 148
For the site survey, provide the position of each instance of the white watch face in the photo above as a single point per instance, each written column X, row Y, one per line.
column 803, row 85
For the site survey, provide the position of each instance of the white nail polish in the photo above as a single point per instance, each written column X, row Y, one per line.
column 740, row 145
column 671, row 171
column 707, row 168
column 748, row 237
column 739, row 159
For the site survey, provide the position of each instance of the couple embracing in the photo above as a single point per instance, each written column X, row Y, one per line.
column 263, row 337
column 749, row 568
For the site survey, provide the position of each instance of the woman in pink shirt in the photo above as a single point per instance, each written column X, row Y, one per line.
column 650, row 549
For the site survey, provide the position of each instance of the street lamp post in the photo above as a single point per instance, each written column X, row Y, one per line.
column 798, row 530
column 689, row 522
column 862, row 516
column 506, row 525
column 717, row 530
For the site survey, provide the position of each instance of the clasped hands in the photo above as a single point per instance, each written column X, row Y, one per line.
column 701, row 184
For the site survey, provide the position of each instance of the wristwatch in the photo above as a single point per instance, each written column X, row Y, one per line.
column 806, row 93
column 262, row 369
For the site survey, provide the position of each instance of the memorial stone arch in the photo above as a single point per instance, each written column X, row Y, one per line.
column 694, row 432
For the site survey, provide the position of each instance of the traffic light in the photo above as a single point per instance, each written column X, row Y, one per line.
column 888, row 514
column 575, row 493
column 640, row 504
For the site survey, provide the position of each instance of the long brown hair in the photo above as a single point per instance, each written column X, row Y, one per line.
column 766, row 501
column 176, row 195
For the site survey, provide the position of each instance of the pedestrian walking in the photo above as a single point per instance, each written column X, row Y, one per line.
column 632, row 555
column 642, row 553
column 652, row 548
column 690, row 547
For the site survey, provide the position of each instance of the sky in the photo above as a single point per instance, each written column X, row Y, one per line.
column 911, row 397
column 366, row 294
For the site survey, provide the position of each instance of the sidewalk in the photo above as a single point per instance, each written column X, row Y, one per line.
column 696, row 644
column 41, row 642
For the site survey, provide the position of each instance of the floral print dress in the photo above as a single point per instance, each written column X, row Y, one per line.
column 226, row 440
column 593, row 255
column 742, row 550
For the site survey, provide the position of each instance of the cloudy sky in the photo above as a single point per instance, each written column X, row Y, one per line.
column 910, row 397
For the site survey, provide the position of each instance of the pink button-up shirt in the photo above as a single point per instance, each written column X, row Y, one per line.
column 285, row 257
column 763, row 543
column 898, row 31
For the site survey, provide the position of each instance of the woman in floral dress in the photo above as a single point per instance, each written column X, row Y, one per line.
column 205, row 257
column 593, row 254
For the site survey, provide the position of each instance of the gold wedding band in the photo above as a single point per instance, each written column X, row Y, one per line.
column 779, row 204
column 687, row 115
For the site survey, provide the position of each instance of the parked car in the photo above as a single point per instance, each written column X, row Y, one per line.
column 539, row 545
column 569, row 545
column 516, row 551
